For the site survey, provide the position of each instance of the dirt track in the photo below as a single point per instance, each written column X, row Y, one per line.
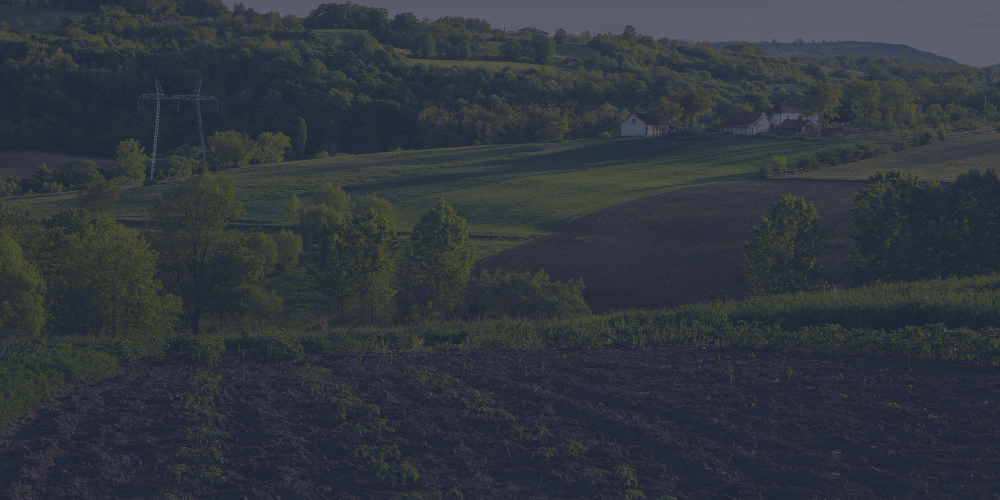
column 681, row 247
column 690, row 428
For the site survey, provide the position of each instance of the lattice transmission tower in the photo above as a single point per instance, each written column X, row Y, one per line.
column 196, row 97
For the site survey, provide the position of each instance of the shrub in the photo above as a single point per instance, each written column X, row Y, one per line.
column 317, row 344
column 202, row 349
column 525, row 295
column 278, row 346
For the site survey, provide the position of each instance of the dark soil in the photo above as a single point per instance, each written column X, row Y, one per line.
column 686, row 424
column 680, row 247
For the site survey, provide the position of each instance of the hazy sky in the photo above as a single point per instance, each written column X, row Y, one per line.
column 972, row 41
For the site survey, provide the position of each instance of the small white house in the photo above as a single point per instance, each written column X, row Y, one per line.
column 639, row 124
column 789, row 111
column 746, row 123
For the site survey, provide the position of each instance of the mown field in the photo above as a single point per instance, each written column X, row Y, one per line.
column 942, row 161
column 515, row 191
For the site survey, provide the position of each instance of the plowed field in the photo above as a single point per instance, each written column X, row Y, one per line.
column 681, row 247
column 672, row 421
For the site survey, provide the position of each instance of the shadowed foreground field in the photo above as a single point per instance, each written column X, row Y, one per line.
column 672, row 421
column 680, row 247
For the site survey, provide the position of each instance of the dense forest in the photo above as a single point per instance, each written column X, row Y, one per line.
column 341, row 80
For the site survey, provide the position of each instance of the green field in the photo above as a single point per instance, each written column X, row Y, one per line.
column 36, row 19
column 511, row 191
column 942, row 161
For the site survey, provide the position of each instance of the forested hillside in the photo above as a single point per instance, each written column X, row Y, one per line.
column 341, row 80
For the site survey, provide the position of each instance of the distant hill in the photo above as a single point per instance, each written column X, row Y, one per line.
column 778, row 49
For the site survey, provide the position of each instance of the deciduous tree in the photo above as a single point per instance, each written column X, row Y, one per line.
column 189, row 231
column 438, row 261
column 783, row 253
column 820, row 100
column 21, row 290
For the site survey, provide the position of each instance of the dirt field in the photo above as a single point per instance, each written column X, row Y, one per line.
column 680, row 247
column 21, row 164
column 689, row 422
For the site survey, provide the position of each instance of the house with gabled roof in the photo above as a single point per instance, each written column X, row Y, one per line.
column 788, row 111
column 641, row 124
column 746, row 123
column 171, row 19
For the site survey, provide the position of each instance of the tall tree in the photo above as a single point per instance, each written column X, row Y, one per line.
column 299, row 138
column 100, row 196
column 783, row 253
column 864, row 99
column 102, row 279
column 21, row 290
column 373, row 241
column 130, row 161
column 975, row 220
column 900, row 229
column 439, row 261
column 189, row 231
column 820, row 100
column 695, row 102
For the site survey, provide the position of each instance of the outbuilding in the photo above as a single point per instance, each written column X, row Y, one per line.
column 796, row 127
column 746, row 123
column 639, row 124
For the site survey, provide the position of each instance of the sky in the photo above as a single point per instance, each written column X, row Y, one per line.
column 964, row 30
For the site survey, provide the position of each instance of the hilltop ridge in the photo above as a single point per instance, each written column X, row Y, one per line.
column 844, row 48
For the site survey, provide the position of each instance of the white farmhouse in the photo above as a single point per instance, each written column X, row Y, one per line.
column 746, row 123
column 639, row 124
column 789, row 111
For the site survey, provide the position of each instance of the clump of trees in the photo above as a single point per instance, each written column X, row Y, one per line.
column 80, row 272
column 909, row 228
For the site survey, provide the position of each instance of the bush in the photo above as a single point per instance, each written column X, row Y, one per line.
column 278, row 346
column 202, row 349
column 507, row 294
column 316, row 344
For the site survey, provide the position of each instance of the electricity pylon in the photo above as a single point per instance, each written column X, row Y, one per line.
column 196, row 97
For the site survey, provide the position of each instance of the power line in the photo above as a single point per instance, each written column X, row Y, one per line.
column 935, row 26
column 825, row 19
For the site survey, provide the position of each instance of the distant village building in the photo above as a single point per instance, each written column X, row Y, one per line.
column 797, row 127
column 171, row 19
column 569, row 61
column 531, row 31
column 746, row 123
column 641, row 124
column 789, row 111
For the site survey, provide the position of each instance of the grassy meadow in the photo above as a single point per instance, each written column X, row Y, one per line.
column 941, row 161
column 510, row 191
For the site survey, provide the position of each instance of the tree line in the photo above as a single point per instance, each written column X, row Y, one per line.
column 80, row 272
column 73, row 89
column 905, row 229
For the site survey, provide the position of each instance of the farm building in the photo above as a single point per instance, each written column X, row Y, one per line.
column 640, row 124
column 569, row 61
column 796, row 127
column 531, row 31
column 746, row 123
column 788, row 111
column 171, row 19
